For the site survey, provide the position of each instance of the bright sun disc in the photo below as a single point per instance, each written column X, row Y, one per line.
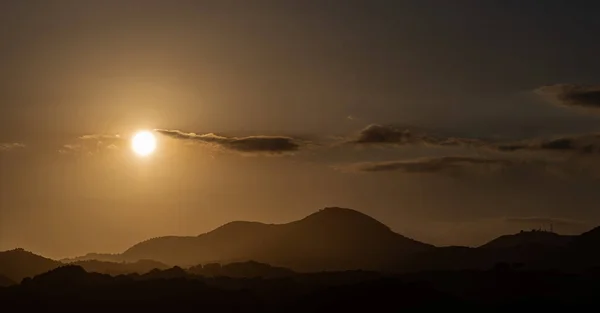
column 143, row 143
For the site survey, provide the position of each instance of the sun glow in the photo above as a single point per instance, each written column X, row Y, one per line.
column 143, row 143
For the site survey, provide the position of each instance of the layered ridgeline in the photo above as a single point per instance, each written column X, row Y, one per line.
column 344, row 239
column 331, row 239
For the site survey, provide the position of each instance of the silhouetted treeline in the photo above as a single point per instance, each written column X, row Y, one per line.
column 72, row 289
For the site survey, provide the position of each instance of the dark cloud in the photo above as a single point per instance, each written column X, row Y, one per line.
column 579, row 144
column 7, row 146
column 380, row 134
column 250, row 144
column 572, row 95
column 428, row 165
column 543, row 221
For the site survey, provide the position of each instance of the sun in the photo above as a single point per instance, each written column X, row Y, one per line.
column 143, row 143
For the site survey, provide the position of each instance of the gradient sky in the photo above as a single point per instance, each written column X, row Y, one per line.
column 484, row 87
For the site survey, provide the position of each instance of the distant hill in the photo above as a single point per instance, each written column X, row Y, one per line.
column 528, row 238
column 529, row 249
column 114, row 269
column 330, row 239
column 105, row 257
column 17, row 264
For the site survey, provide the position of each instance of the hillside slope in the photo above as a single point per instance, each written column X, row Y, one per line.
column 330, row 239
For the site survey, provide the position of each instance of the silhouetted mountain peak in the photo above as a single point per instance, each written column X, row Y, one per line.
column 331, row 238
column 343, row 216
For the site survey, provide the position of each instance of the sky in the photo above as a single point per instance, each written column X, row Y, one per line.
column 452, row 122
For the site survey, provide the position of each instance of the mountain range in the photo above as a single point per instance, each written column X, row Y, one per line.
column 332, row 239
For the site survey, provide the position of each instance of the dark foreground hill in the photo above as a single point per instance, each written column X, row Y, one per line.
column 330, row 239
column 72, row 289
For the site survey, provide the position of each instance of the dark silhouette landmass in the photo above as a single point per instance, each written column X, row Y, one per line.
column 337, row 260
column 335, row 239
column 330, row 239
column 71, row 289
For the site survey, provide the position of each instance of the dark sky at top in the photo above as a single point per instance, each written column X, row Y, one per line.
column 513, row 75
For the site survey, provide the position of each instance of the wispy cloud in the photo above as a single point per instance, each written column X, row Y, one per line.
column 92, row 144
column 269, row 145
column 581, row 144
column 394, row 135
column 428, row 164
column 101, row 137
column 8, row 146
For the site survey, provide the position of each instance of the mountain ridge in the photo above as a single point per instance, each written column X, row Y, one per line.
column 326, row 236
column 534, row 237
column 330, row 239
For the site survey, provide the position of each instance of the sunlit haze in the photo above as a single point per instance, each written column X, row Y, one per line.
column 143, row 143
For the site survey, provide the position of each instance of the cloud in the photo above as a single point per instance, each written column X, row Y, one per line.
column 8, row 146
column 93, row 144
column 543, row 221
column 579, row 144
column 101, row 137
column 572, row 95
column 71, row 148
column 380, row 134
column 582, row 144
column 429, row 165
column 270, row 145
